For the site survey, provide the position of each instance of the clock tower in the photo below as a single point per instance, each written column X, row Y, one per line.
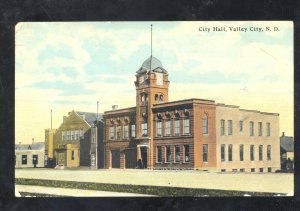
column 152, row 86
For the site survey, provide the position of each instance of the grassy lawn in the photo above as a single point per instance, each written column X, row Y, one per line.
column 142, row 189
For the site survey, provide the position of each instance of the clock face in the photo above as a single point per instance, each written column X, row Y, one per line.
column 159, row 78
column 142, row 78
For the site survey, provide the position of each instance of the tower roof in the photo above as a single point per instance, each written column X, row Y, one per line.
column 151, row 64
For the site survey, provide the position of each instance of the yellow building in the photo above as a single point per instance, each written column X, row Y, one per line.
column 67, row 138
column 49, row 140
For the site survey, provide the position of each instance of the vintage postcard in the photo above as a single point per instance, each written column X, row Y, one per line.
column 151, row 109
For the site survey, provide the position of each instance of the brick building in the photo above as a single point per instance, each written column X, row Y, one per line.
column 186, row 134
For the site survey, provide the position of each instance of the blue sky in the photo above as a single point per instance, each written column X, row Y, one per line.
column 66, row 66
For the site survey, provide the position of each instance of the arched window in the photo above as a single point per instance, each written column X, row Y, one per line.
column 177, row 124
column 156, row 98
column 186, row 124
column 205, row 124
column 161, row 98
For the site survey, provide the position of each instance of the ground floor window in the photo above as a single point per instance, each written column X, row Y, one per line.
column 223, row 152
column 24, row 159
column 177, row 154
column 242, row 170
column 241, row 152
column 159, row 154
column 269, row 152
column 223, row 170
column 269, row 169
column 168, row 154
column 73, row 155
column 186, row 153
column 230, row 152
column 252, row 169
column 34, row 159
column 261, row 169
column 205, row 153
column 252, row 152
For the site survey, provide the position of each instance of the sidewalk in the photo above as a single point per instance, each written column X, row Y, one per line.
column 73, row 192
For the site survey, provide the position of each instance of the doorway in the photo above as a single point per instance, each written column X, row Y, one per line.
column 144, row 156
column 115, row 158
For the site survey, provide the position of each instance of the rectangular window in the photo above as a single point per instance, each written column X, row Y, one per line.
column 72, row 135
column 168, row 127
column 205, row 124
column 34, row 159
column 242, row 170
column 168, row 154
column 186, row 153
column 260, row 154
column 63, row 135
column 223, row 152
column 229, row 122
column 260, row 128
column 186, row 126
column 251, row 128
column 222, row 127
column 81, row 133
column 119, row 132
column 158, row 128
column 111, row 132
column 133, row 131
column 177, row 127
column 252, row 152
column 144, row 129
column 24, row 159
column 230, row 152
column 205, row 153
column 76, row 134
column 261, row 169
column 177, row 154
column 268, row 129
column 241, row 126
column 73, row 155
column 269, row 152
column 68, row 135
column 269, row 169
column 241, row 152
column 159, row 154
column 126, row 131
column 252, row 169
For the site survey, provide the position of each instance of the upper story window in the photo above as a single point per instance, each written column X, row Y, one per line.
column 251, row 128
column 126, row 131
column 144, row 129
column 158, row 127
column 112, row 132
column 63, row 135
column 133, row 131
column 268, row 129
column 159, row 98
column 229, row 122
column 241, row 126
column 119, row 132
column 68, row 135
column 72, row 135
column 186, row 153
column 168, row 127
column 176, row 125
column 260, row 128
column 205, row 124
column 186, row 125
column 222, row 128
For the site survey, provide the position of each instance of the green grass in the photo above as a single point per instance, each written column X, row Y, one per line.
column 141, row 189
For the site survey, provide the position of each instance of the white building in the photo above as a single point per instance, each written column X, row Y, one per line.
column 30, row 155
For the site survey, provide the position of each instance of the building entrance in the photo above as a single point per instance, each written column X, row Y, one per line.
column 115, row 158
column 144, row 156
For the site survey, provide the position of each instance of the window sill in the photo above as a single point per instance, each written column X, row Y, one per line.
column 186, row 162
column 177, row 162
column 158, row 162
column 167, row 162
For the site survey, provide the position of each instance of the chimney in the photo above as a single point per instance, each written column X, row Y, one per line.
column 114, row 107
column 32, row 140
column 283, row 134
